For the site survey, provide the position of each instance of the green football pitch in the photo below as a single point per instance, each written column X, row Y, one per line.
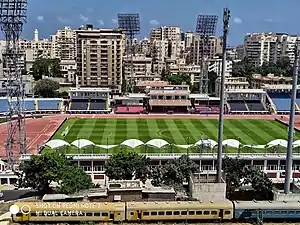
column 176, row 131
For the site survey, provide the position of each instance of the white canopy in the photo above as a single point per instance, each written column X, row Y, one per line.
column 255, row 146
column 184, row 146
column 106, row 146
column 277, row 142
column 158, row 143
column 232, row 143
column 57, row 143
column 132, row 143
column 207, row 143
column 296, row 144
column 82, row 143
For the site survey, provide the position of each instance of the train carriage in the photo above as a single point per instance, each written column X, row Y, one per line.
column 69, row 211
column 190, row 210
column 266, row 210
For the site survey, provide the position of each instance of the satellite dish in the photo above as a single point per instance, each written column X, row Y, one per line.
column 14, row 209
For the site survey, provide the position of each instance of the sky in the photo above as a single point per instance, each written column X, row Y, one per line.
column 247, row 16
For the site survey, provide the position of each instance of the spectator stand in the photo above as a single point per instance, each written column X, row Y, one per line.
column 48, row 105
column 134, row 103
column 203, row 104
column 89, row 100
column 169, row 99
column 246, row 101
column 279, row 98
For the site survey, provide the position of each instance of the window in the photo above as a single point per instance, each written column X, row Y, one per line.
column 96, row 214
column 89, row 214
column 132, row 213
column 104, row 214
column 183, row 212
column 145, row 213
column 169, row 213
column 191, row 212
column 176, row 213
column 153, row 213
column 206, row 213
column 214, row 212
column 161, row 213
column 198, row 212
column 227, row 212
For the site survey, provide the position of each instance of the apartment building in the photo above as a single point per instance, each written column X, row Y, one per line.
column 141, row 68
column 199, row 48
column 64, row 44
column 269, row 47
column 144, row 47
column 235, row 53
column 165, row 33
column 100, row 57
column 215, row 65
column 163, row 49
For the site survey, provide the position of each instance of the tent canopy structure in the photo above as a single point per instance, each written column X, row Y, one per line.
column 57, row 143
column 132, row 143
column 158, row 143
column 82, row 143
column 277, row 142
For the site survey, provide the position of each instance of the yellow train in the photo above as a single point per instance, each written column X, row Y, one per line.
column 121, row 212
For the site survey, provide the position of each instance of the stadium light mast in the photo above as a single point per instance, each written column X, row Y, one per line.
column 226, row 18
column 12, row 18
column 289, row 153
column 205, row 27
column 130, row 24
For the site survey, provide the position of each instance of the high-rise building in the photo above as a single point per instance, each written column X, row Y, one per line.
column 269, row 47
column 64, row 44
column 199, row 48
column 99, row 57
column 165, row 33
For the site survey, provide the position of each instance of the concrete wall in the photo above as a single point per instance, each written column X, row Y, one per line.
column 209, row 191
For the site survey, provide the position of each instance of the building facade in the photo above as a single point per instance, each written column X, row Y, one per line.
column 100, row 57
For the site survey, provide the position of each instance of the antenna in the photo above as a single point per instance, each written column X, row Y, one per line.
column 12, row 18
column 205, row 27
column 130, row 24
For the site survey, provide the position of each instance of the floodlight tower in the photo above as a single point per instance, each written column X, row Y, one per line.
column 12, row 18
column 130, row 24
column 226, row 18
column 205, row 27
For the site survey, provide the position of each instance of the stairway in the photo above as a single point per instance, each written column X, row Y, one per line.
column 246, row 105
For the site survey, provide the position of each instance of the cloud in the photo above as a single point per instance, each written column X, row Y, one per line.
column 268, row 20
column 63, row 20
column 83, row 18
column 237, row 20
column 154, row 22
column 114, row 20
column 40, row 18
column 101, row 22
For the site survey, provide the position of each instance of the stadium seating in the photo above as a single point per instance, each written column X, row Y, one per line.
column 3, row 105
column 80, row 105
column 129, row 109
column 203, row 109
column 97, row 104
column 48, row 104
column 238, row 105
column 29, row 105
column 255, row 105
column 282, row 101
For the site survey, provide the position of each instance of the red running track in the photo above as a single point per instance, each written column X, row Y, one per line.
column 38, row 131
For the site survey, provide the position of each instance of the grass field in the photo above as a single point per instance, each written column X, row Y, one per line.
column 177, row 131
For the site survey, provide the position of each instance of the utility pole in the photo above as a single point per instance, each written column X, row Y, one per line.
column 226, row 17
column 289, row 153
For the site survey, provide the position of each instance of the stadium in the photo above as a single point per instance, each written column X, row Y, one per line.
column 163, row 121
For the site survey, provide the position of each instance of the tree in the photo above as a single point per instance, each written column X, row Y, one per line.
column 46, row 67
column 178, row 79
column 74, row 179
column 174, row 172
column 41, row 170
column 46, row 88
column 127, row 165
column 238, row 173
